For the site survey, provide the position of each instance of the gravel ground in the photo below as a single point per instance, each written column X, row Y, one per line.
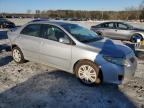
column 32, row 85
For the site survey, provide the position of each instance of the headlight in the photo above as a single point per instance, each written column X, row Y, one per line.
column 118, row 61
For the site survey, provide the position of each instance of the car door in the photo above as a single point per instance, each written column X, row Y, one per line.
column 123, row 31
column 29, row 41
column 53, row 52
column 108, row 29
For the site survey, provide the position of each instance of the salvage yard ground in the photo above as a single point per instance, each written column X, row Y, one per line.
column 32, row 85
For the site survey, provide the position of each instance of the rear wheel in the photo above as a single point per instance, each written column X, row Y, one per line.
column 17, row 55
column 87, row 72
column 135, row 37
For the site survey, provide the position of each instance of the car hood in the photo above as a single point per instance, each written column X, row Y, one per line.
column 113, row 48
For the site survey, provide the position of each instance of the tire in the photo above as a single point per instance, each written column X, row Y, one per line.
column 134, row 36
column 17, row 55
column 90, row 75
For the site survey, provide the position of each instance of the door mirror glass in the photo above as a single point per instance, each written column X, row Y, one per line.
column 64, row 40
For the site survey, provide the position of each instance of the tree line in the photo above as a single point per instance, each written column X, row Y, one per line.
column 93, row 15
column 130, row 13
column 81, row 15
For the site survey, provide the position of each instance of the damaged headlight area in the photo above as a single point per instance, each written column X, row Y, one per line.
column 118, row 61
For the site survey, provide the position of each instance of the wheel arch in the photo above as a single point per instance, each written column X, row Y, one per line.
column 137, row 33
column 100, row 70
column 14, row 45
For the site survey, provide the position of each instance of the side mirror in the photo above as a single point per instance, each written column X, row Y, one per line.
column 64, row 40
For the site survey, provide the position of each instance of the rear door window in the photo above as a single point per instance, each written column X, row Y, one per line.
column 108, row 25
column 32, row 30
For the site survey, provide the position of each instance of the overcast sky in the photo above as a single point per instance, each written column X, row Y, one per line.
column 23, row 5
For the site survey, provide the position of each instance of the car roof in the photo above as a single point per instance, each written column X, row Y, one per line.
column 114, row 22
column 52, row 22
column 36, row 20
column 124, row 22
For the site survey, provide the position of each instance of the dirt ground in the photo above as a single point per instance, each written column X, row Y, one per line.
column 32, row 85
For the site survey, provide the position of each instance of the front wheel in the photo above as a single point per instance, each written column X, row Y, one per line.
column 87, row 72
column 17, row 55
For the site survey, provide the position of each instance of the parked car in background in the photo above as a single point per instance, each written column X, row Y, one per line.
column 39, row 19
column 75, row 49
column 6, row 24
column 119, row 30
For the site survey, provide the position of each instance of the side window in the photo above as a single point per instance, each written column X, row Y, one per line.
column 111, row 25
column 32, row 30
column 102, row 25
column 122, row 26
column 98, row 26
column 53, row 33
column 108, row 25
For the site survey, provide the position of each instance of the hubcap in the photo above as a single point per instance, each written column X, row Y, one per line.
column 87, row 74
column 134, row 38
column 16, row 55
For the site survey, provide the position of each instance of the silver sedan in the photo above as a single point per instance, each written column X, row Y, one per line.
column 74, row 49
column 120, row 30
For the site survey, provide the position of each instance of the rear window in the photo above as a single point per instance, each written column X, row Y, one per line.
column 32, row 30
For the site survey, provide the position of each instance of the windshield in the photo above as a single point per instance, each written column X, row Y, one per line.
column 129, row 26
column 80, row 33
